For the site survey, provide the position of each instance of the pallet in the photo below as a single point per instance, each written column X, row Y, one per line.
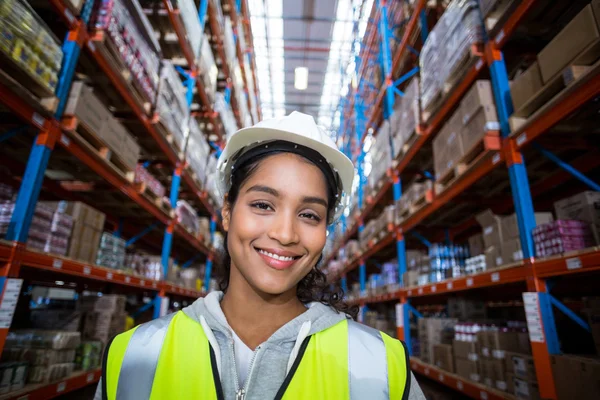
column 472, row 57
column 26, row 87
column 102, row 44
column 84, row 136
column 490, row 142
column 585, row 65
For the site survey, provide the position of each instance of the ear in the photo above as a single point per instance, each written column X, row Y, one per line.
column 226, row 214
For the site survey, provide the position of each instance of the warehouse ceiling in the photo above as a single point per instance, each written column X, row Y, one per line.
column 315, row 34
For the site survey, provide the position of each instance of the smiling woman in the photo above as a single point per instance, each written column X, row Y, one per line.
column 276, row 330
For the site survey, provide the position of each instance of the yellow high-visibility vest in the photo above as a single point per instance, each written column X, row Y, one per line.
column 171, row 358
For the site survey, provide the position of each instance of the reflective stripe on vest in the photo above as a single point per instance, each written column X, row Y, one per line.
column 345, row 361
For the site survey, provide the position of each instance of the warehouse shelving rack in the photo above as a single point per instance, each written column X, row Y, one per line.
column 53, row 132
column 532, row 272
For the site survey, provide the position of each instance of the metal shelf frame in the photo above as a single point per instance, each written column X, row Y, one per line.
column 532, row 272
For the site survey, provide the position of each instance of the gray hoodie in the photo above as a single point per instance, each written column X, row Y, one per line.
column 272, row 359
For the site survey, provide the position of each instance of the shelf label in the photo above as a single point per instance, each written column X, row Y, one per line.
column 410, row 292
column 14, row 285
column 90, row 377
column 420, row 291
column 479, row 64
column 127, row 279
column 399, row 315
column 433, row 289
column 573, row 263
column 426, row 371
column 154, row 285
column 142, row 282
column 87, row 270
column 522, row 138
column 496, row 277
column 38, row 120
column 57, row 264
column 533, row 317
column 499, row 37
column 449, row 285
column 65, row 140
column 483, row 395
column 109, row 275
column 496, row 158
column 441, row 377
column 61, row 387
column 91, row 46
column 459, row 385
column 69, row 16
column 469, row 281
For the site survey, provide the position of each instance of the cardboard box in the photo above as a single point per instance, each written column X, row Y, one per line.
column 477, row 98
column 442, row 357
column 467, row 350
column 486, row 372
column 502, row 341
column 526, row 389
column 581, row 32
column 523, row 367
column 83, row 104
column 447, row 148
column 468, row 369
column 499, row 370
column 584, row 206
column 510, row 383
column 576, row 377
column 125, row 146
column 510, row 226
column 483, row 343
column 492, row 228
column 524, row 87
column 476, row 246
column 493, row 257
column 524, row 343
column 466, row 309
column 511, row 251
column 411, row 278
column 482, row 122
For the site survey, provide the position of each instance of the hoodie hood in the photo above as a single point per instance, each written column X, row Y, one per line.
column 319, row 315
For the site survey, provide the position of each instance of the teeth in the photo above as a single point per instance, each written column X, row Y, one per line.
column 275, row 256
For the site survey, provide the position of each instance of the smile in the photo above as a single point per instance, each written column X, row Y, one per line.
column 277, row 261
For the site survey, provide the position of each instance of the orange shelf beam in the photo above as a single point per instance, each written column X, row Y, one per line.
column 458, row 383
column 571, row 263
column 49, row 391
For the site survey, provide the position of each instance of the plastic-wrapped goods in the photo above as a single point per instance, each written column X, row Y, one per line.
column 187, row 217
column 561, row 236
column 197, row 151
column 63, row 320
column 88, row 355
column 381, row 158
column 41, row 357
column 111, row 252
column 191, row 22
column 211, row 181
column 218, row 241
column 447, row 46
column 406, row 116
column 227, row 117
column 229, row 42
column 7, row 193
column 144, row 265
column 103, row 325
column 43, row 339
column 54, row 372
column 141, row 59
column 477, row 264
column 487, row 6
column 446, row 261
column 12, row 376
column 60, row 232
column 143, row 176
column 208, row 68
column 26, row 39
column 41, row 224
column 188, row 277
column 171, row 103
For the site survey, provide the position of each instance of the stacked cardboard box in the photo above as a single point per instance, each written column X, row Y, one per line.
column 60, row 232
column 466, row 309
column 511, row 245
column 584, row 206
column 111, row 252
column 88, row 224
column 41, row 224
column 433, row 331
column 576, row 377
column 406, row 117
column 104, row 317
column 447, row 149
column 90, row 111
column 381, row 156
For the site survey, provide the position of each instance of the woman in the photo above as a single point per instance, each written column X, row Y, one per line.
column 277, row 330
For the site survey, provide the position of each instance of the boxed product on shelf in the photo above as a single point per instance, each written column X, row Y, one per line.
column 143, row 176
column 406, row 116
column 88, row 355
column 197, row 151
column 63, row 320
column 229, row 42
column 50, row 373
column 434, row 331
column 526, row 390
column 443, row 357
column 561, row 236
column 510, row 226
column 446, row 261
column 523, row 367
column 476, row 246
column 40, row 228
column 524, row 87
column 576, row 377
column 40, row 357
column 107, row 302
column 477, row 264
column 584, row 206
column 208, row 68
column 511, row 251
column 491, row 226
column 60, row 232
column 466, row 309
column 145, row 265
column 493, row 256
column 447, row 47
column 13, row 376
column 479, row 115
column 225, row 114
column 187, row 216
column 468, row 369
column 111, row 252
column 380, row 151
column 447, row 148
column 189, row 15
column 43, row 339
column 578, row 35
column 88, row 224
column 30, row 45
column 171, row 103
column 128, row 150
column 128, row 32
column 103, row 325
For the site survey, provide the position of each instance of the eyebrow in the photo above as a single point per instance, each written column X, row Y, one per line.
column 273, row 192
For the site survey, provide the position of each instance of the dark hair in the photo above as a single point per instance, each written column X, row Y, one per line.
column 313, row 287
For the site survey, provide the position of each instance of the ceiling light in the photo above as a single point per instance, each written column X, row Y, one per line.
column 301, row 78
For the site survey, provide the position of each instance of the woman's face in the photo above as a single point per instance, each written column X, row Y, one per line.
column 277, row 226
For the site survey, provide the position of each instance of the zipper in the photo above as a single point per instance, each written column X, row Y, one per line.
column 240, row 393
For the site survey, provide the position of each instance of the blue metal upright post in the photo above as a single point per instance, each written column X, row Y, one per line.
column 209, row 261
column 202, row 13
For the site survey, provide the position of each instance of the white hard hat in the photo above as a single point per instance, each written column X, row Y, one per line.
column 296, row 128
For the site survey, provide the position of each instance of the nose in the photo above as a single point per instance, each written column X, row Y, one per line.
column 283, row 229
